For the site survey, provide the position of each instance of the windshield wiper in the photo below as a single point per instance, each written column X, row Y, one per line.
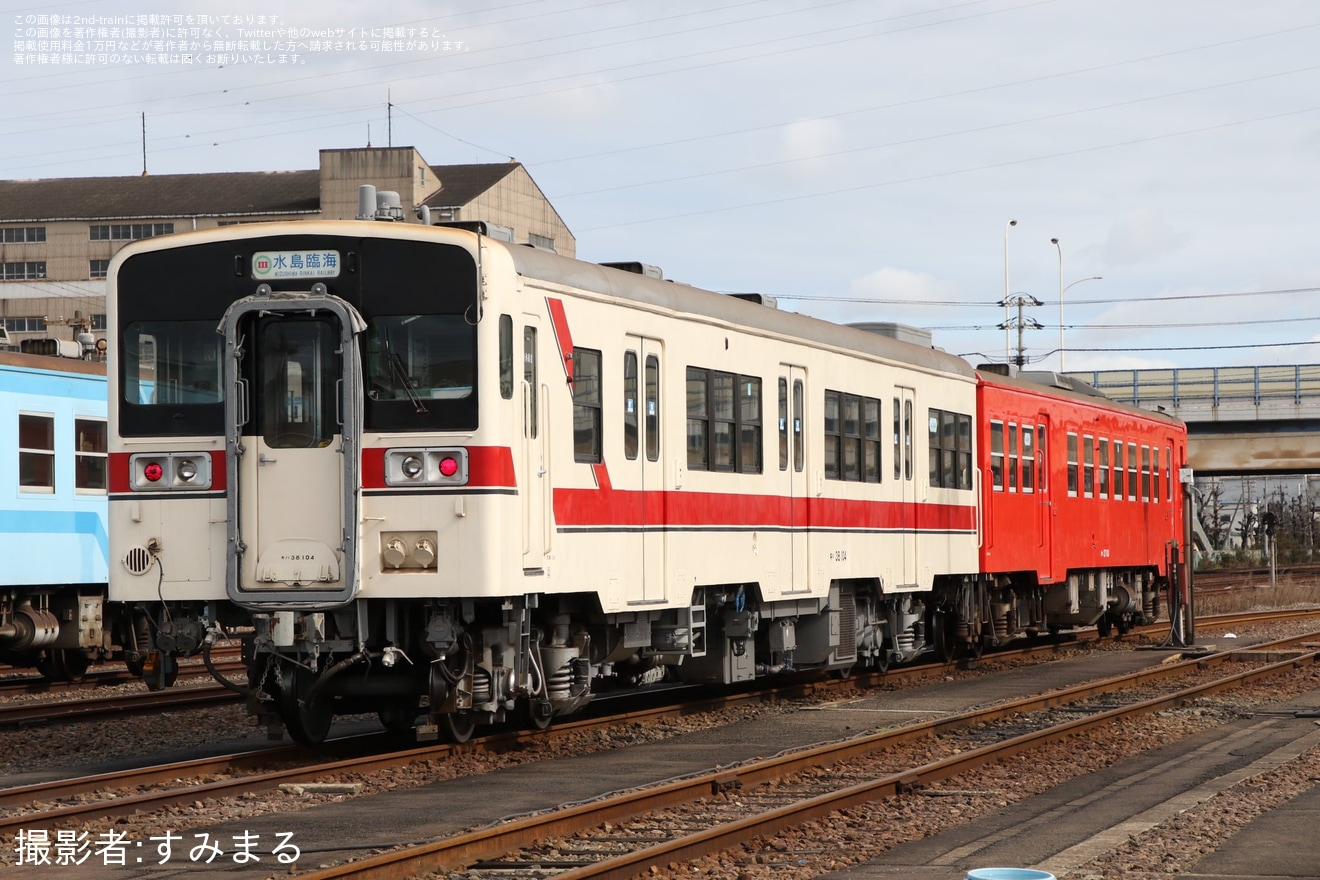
column 399, row 373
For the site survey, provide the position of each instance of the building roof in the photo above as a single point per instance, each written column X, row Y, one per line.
column 460, row 184
column 222, row 194
column 166, row 195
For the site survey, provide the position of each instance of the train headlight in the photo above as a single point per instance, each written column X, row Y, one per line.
column 426, row 466
column 163, row 472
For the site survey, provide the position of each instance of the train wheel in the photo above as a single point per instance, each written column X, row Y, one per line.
column 308, row 723
column 942, row 636
column 159, row 671
column 64, row 664
column 399, row 715
column 458, row 726
column 537, row 714
column 1104, row 627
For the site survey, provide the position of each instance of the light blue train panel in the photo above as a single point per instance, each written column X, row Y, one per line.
column 53, row 537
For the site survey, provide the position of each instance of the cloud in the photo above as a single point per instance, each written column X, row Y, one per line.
column 886, row 284
column 807, row 144
column 1142, row 236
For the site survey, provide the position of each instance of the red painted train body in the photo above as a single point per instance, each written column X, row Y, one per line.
column 1079, row 497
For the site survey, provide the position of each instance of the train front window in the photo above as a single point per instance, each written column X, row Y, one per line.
column 420, row 358
column 297, row 375
column 171, row 362
column 170, row 379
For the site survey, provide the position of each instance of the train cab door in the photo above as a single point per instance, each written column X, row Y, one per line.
column 293, row 458
column 905, row 471
column 535, row 488
column 1044, row 498
column 644, row 462
column 792, row 401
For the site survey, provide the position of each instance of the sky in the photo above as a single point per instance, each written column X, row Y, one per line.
column 859, row 160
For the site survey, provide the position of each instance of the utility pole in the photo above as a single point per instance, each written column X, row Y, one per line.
column 1021, row 322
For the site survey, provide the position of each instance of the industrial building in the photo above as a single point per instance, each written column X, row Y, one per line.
column 57, row 235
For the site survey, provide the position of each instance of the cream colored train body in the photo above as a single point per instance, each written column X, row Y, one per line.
column 452, row 480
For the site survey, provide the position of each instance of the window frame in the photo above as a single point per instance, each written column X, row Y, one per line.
column 588, row 402
column 90, row 466
column 724, row 413
column 1073, row 458
column 36, row 463
column 1088, row 466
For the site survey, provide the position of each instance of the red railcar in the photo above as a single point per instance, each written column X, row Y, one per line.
column 1080, row 511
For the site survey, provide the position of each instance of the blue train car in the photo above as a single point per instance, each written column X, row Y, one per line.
column 53, row 537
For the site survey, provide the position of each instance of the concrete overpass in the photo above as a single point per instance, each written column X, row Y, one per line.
column 1241, row 421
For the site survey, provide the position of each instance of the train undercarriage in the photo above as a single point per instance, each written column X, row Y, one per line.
column 448, row 667
column 63, row 630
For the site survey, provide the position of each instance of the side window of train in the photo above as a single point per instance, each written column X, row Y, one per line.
column 698, row 445
column 506, row 357
column 89, row 463
column 799, row 404
column 36, row 453
column 652, row 408
column 997, row 456
column 907, row 440
column 586, row 406
column 1132, row 471
column 833, row 434
column 1042, row 459
column 950, row 449
column 1118, row 470
column 529, row 377
column 898, row 440
column 1168, row 473
column 870, row 440
column 852, row 437
column 630, row 405
column 1012, row 457
column 964, row 451
column 1088, row 465
column 1028, row 459
column 750, row 436
column 1102, row 474
column 1145, row 473
column 1072, row 464
column 783, row 423
column 723, row 421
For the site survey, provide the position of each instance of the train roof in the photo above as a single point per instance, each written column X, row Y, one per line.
column 678, row 297
column 1067, row 387
column 50, row 362
column 548, row 266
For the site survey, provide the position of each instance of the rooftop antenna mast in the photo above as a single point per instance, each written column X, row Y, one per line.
column 144, row 143
column 389, row 120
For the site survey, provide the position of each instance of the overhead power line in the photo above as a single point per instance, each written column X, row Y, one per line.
column 999, row 303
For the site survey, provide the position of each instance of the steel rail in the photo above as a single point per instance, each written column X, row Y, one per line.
column 252, row 780
column 486, row 844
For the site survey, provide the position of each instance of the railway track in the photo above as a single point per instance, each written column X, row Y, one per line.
column 38, row 685
column 32, row 713
column 624, row 836
column 158, row 787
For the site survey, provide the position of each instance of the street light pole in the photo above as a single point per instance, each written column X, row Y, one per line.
column 1062, row 291
column 1007, row 344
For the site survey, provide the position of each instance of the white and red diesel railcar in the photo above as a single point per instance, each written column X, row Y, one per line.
column 439, row 476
